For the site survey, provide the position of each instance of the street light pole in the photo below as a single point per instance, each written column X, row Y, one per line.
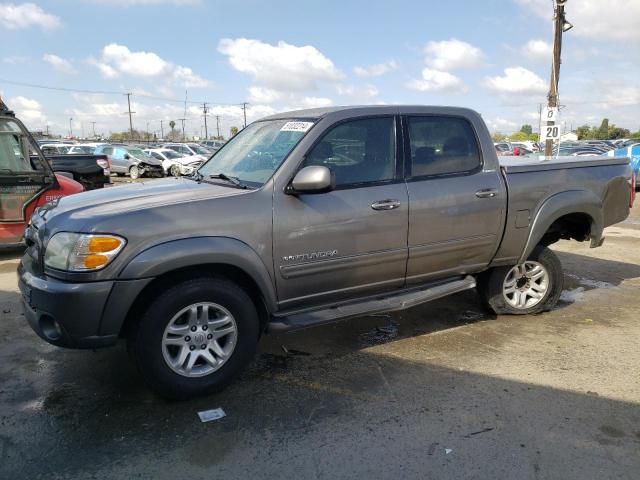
column 560, row 26
column 70, row 128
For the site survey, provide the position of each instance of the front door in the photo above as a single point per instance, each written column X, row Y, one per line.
column 23, row 176
column 457, row 206
column 352, row 240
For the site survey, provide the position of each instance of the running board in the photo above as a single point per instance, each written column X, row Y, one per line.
column 388, row 303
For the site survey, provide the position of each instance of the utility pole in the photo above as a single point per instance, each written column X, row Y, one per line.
column 539, row 122
column 205, row 110
column 93, row 128
column 162, row 129
column 244, row 110
column 70, row 128
column 130, row 112
column 218, row 124
column 183, row 135
column 560, row 25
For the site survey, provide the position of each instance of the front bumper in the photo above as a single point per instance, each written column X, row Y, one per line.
column 65, row 314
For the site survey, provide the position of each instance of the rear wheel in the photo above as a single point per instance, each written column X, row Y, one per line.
column 531, row 287
column 134, row 172
column 195, row 337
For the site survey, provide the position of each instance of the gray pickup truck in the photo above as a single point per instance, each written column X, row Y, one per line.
column 306, row 218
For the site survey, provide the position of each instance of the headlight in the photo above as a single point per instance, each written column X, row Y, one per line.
column 76, row 252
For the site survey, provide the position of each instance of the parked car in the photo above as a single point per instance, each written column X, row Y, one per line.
column 306, row 218
column 131, row 161
column 175, row 163
column 81, row 149
column 27, row 181
column 503, row 149
column 55, row 148
column 188, row 149
column 213, row 145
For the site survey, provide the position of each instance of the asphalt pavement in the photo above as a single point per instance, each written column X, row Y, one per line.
column 444, row 390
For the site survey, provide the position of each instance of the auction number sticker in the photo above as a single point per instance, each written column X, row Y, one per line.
column 296, row 126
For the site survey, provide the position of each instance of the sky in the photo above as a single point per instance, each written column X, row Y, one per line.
column 492, row 55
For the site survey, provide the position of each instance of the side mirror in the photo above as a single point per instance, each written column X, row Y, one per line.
column 127, row 156
column 312, row 179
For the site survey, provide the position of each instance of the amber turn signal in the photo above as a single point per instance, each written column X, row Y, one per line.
column 103, row 244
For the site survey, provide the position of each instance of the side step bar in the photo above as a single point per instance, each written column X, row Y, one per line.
column 377, row 304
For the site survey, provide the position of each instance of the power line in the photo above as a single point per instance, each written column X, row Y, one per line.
column 109, row 92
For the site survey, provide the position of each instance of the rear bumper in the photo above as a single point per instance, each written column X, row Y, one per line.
column 65, row 314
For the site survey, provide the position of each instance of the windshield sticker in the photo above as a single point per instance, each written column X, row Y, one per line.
column 296, row 126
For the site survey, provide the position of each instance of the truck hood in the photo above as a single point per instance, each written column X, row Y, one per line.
column 136, row 196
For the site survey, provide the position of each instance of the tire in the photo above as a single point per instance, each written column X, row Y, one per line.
column 175, row 170
column 134, row 172
column 147, row 341
column 503, row 288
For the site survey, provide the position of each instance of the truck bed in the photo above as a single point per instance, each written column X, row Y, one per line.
column 541, row 163
column 598, row 187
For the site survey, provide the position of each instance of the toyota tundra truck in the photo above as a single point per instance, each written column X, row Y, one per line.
column 306, row 218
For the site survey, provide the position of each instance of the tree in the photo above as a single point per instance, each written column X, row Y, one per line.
column 617, row 132
column 519, row 136
column 603, row 131
column 584, row 132
column 526, row 128
column 234, row 131
column 498, row 137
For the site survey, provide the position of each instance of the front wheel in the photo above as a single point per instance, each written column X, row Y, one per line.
column 175, row 170
column 134, row 172
column 195, row 337
column 531, row 287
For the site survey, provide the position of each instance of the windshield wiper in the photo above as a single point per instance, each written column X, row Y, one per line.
column 227, row 178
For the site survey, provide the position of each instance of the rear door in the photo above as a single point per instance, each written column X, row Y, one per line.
column 24, row 174
column 352, row 240
column 457, row 205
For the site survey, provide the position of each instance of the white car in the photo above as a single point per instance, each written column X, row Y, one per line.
column 175, row 163
column 189, row 149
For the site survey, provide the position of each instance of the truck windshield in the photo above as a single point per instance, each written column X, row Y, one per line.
column 255, row 153
column 14, row 149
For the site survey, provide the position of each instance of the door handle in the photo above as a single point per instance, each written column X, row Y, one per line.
column 487, row 193
column 388, row 204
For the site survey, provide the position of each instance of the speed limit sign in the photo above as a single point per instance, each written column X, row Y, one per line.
column 550, row 114
column 551, row 132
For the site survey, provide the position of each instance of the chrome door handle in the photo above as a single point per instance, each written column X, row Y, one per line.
column 388, row 204
column 487, row 193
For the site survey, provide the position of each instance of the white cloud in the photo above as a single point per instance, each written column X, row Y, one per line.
column 437, row 81
column 118, row 60
column 611, row 20
column 516, row 80
column 538, row 50
column 500, row 124
column 25, row 15
column 264, row 95
column 375, row 70
column 28, row 110
column 451, row 55
column 58, row 63
column 363, row 92
column 312, row 102
column 282, row 66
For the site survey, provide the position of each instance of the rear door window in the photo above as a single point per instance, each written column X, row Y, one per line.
column 442, row 146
